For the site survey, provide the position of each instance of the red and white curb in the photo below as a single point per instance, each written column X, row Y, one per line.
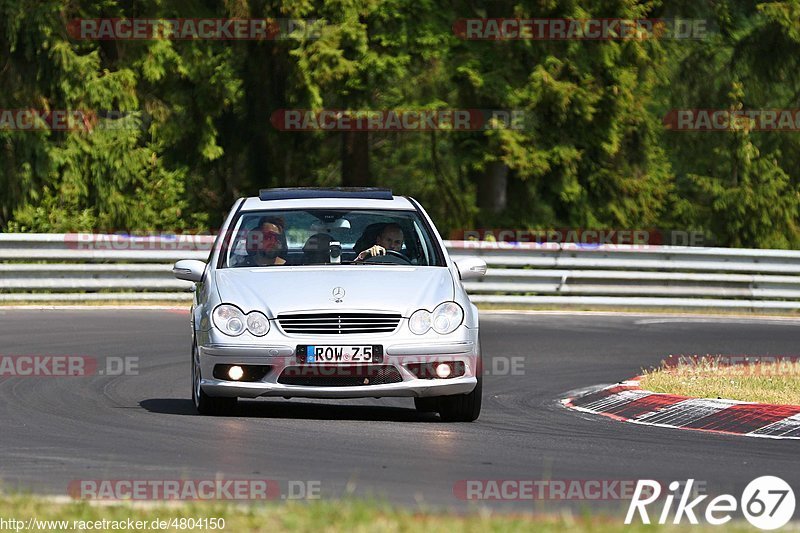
column 627, row 402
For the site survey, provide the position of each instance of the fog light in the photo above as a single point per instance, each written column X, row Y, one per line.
column 443, row 370
column 235, row 373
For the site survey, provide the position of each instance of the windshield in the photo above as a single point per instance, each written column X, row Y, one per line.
column 329, row 237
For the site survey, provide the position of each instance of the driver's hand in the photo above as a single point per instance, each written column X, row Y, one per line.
column 371, row 252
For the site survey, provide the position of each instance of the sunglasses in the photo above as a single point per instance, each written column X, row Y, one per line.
column 270, row 236
column 267, row 239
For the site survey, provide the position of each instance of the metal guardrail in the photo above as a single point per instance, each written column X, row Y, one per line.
column 87, row 267
column 81, row 267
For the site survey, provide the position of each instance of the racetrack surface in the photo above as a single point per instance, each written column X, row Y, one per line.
column 55, row 430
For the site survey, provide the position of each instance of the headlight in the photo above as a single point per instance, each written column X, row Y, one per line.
column 257, row 323
column 229, row 319
column 444, row 319
column 420, row 322
column 447, row 317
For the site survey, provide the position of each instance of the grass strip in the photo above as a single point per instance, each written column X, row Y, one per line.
column 774, row 382
column 318, row 516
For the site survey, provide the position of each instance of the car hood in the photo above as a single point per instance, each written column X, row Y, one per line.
column 276, row 290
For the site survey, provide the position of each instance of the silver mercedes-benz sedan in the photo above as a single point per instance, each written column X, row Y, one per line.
column 333, row 293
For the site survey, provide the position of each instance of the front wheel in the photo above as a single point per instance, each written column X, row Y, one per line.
column 205, row 404
column 462, row 407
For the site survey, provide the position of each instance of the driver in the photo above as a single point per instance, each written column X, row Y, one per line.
column 391, row 238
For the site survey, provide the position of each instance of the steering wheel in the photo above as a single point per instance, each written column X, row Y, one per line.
column 389, row 253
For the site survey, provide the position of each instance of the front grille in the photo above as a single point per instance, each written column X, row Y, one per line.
column 339, row 323
column 339, row 376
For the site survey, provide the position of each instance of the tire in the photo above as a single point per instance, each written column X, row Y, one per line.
column 462, row 407
column 427, row 405
column 203, row 403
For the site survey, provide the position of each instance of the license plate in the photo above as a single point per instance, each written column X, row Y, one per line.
column 344, row 353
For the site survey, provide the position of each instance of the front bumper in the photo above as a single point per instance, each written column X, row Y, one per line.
column 461, row 346
column 417, row 387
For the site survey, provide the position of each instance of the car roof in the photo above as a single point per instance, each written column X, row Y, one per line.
column 255, row 203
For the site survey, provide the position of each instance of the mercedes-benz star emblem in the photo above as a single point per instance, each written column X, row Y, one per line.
column 338, row 294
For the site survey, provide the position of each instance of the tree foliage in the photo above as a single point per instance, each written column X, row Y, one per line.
column 194, row 131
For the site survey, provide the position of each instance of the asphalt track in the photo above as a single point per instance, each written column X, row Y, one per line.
column 55, row 430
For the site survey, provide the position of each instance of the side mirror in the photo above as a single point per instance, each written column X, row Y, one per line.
column 470, row 267
column 189, row 270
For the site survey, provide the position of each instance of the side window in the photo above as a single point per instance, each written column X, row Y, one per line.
column 423, row 251
column 238, row 248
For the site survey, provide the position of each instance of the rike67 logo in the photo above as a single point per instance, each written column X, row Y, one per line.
column 767, row 503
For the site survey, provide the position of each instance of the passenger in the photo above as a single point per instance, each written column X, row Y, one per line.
column 266, row 243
